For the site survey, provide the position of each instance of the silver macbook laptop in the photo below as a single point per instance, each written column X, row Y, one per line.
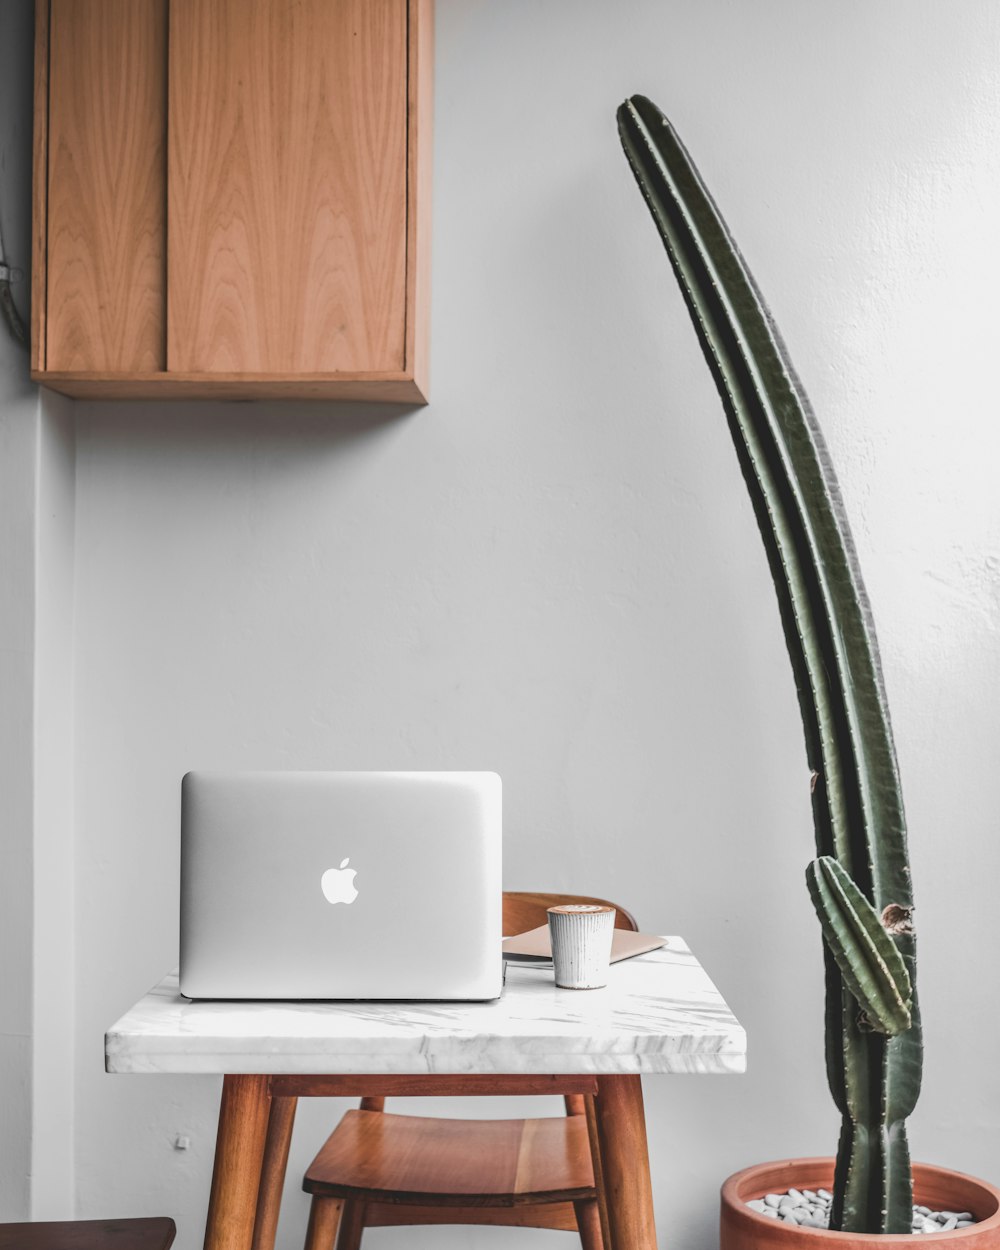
column 341, row 885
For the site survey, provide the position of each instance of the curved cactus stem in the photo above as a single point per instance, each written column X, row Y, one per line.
column 857, row 804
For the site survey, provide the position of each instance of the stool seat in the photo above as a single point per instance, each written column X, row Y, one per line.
column 142, row 1234
column 420, row 1160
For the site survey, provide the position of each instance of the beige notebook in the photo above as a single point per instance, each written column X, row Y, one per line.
column 534, row 947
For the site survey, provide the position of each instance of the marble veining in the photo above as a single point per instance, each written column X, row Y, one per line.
column 659, row 1012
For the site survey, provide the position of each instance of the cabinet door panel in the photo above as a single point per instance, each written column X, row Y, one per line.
column 287, row 185
column 106, row 299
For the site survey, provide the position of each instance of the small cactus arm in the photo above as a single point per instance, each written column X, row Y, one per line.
column 874, row 1072
column 871, row 966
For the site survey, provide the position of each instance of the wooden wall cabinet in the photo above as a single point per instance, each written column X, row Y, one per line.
column 232, row 198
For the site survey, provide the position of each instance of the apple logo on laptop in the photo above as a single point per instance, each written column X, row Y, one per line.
column 338, row 883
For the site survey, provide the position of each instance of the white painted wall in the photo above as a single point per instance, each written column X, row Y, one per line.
column 36, row 725
column 18, row 408
column 553, row 570
column 53, row 1163
column 18, row 405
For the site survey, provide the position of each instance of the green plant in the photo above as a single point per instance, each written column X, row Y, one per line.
column 860, row 882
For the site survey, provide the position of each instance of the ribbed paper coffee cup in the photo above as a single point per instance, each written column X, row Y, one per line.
column 581, row 936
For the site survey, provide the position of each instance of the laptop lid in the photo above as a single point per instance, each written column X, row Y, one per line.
column 331, row 885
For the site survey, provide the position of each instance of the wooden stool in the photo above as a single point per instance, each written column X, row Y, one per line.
column 380, row 1169
column 145, row 1234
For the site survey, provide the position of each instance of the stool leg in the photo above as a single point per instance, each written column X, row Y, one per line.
column 324, row 1217
column 272, row 1173
column 595, row 1157
column 588, row 1221
column 352, row 1225
column 575, row 1104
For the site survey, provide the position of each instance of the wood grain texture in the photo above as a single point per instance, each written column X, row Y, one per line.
column 280, row 1123
column 523, row 911
column 324, row 1220
column 624, row 1154
column 426, row 1161
column 420, row 169
column 40, row 185
column 379, row 388
column 139, row 1234
column 352, row 1225
column 239, row 1154
column 557, row 1215
column 429, row 1085
column 105, row 304
column 287, row 186
column 588, row 1221
column 590, row 1107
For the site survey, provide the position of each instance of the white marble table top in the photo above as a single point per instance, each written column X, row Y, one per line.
column 658, row 1013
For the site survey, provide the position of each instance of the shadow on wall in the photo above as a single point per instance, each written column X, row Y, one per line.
column 16, row 40
column 278, row 435
column 225, row 422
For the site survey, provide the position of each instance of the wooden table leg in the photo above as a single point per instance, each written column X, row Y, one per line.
column 239, row 1154
column 624, row 1157
column 272, row 1175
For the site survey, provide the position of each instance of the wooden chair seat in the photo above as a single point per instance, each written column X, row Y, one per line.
column 423, row 1161
column 141, row 1234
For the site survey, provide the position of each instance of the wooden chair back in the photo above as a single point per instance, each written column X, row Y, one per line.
column 522, row 912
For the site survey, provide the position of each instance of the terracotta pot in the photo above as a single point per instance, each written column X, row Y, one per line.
column 937, row 1188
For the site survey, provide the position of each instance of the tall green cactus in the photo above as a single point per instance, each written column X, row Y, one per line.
column 860, row 884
